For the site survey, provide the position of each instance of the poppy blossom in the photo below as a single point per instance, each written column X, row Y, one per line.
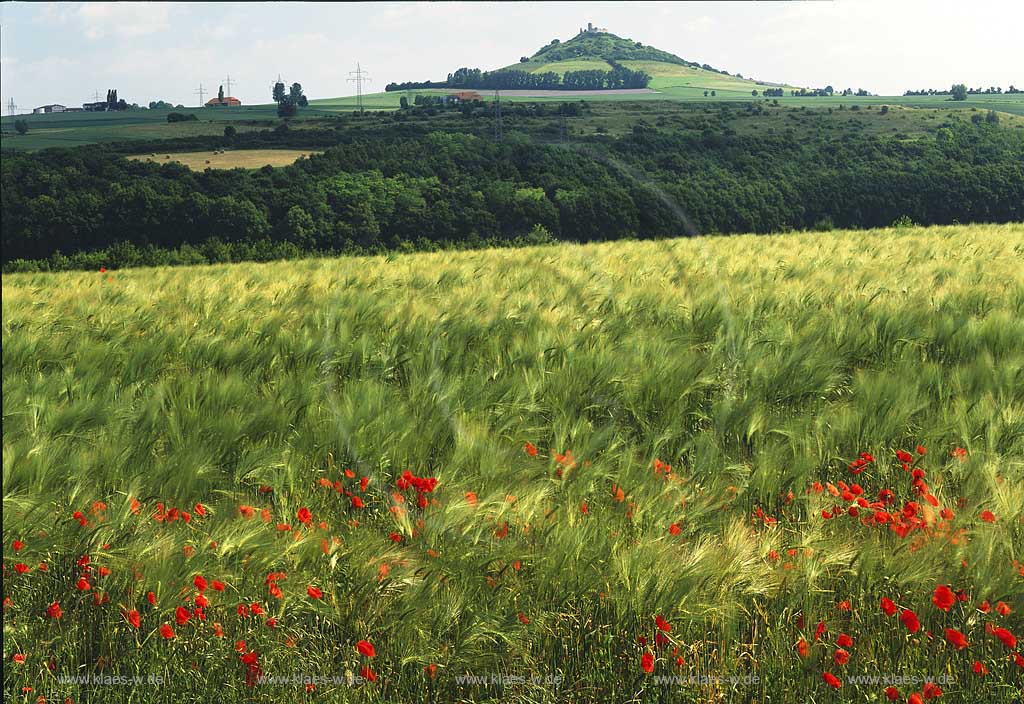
column 83, row 584
column 151, row 598
column 202, row 601
column 841, row 656
column 921, row 451
column 133, row 618
column 1005, row 637
column 523, row 619
column 357, row 502
column 647, row 662
column 915, row 698
column 583, row 508
column 931, row 690
column 958, row 639
column 305, row 516
column 471, row 498
column 988, row 517
column 54, row 610
column 892, row 694
column 314, row 592
column 819, row 631
column 166, row 631
column 21, row 568
column 844, row 641
column 366, row 648
column 182, row 615
column 662, row 624
column 17, row 545
column 431, row 670
column 979, row 668
column 199, row 583
column 217, row 586
column 803, row 648
column 831, row 680
column 367, row 674
column 530, row 449
column 909, row 619
column 1003, row 609
column 674, row 529
column 943, row 597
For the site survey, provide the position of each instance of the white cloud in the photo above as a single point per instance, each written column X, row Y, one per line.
column 122, row 19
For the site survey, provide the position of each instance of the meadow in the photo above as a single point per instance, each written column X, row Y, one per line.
column 782, row 468
column 229, row 159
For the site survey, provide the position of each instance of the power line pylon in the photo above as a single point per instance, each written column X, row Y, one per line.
column 228, row 82
column 497, row 115
column 12, row 109
column 201, row 92
column 360, row 76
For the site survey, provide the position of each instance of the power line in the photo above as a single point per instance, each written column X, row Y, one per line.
column 12, row 109
column 95, row 95
column 202, row 92
column 360, row 76
column 228, row 82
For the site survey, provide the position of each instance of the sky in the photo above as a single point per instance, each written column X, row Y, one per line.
column 63, row 52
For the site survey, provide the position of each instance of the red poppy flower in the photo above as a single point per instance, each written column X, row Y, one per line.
column 243, row 610
column 674, row 529
column 844, row 641
column 931, row 690
column 431, row 670
column 21, row 568
column 199, row 583
column 247, row 511
column 1003, row 609
column 803, row 648
column 471, row 498
column 151, row 598
column 531, row 449
column 133, row 618
column 202, row 601
column 523, row 619
column 18, row 658
column 915, row 698
column 892, row 694
column 888, row 606
column 979, row 669
column 909, row 619
column 662, row 624
column 305, row 516
column 182, row 615
column 943, row 597
column 366, row 648
column 988, row 517
column 841, row 656
column 1005, row 637
column 831, row 680
column 166, row 631
column 958, row 639
column 17, row 545
column 83, row 584
column 314, row 592
column 256, row 609
column 217, row 586
column 904, row 456
column 583, row 508
column 647, row 662
column 367, row 674
column 54, row 610
column 819, row 631
column 357, row 502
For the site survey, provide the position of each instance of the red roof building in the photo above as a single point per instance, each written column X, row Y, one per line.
column 227, row 102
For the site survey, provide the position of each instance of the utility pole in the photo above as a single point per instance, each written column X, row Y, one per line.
column 360, row 76
column 228, row 82
column 202, row 92
column 95, row 96
column 12, row 109
column 497, row 115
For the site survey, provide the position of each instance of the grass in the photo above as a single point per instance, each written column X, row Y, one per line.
column 754, row 366
column 230, row 159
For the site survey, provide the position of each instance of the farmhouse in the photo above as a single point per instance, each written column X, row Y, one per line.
column 48, row 108
column 228, row 101
column 463, row 96
column 95, row 107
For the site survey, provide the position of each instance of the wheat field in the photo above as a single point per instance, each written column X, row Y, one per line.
column 566, row 473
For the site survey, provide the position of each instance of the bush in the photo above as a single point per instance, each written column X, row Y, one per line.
column 903, row 221
column 21, row 126
column 179, row 117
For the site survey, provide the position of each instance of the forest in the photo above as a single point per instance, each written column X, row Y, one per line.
column 508, row 79
column 404, row 189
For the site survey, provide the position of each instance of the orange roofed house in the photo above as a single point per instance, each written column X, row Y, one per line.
column 227, row 102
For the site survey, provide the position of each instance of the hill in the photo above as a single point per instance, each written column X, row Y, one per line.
column 591, row 54
column 630, row 440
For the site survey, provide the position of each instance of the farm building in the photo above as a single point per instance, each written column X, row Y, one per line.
column 228, row 101
column 48, row 108
column 95, row 107
column 463, row 96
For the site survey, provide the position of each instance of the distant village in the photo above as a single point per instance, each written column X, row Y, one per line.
column 113, row 103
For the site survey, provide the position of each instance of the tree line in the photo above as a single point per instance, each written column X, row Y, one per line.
column 509, row 79
column 392, row 189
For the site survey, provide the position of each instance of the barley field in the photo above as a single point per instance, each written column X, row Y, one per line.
column 752, row 468
column 229, row 158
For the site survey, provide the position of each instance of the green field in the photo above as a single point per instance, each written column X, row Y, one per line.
column 690, row 507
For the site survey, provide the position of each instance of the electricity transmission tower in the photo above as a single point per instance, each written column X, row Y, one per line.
column 12, row 109
column 228, row 82
column 497, row 115
column 360, row 76
column 95, row 96
column 201, row 92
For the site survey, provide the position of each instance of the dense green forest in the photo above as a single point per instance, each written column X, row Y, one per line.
column 506, row 79
column 401, row 188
